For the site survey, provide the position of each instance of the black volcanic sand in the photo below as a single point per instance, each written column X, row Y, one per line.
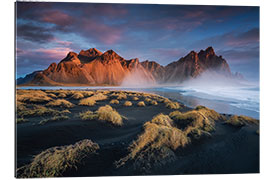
column 228, row 150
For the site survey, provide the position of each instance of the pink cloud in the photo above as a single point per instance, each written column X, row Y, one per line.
column 57, row 17
column 62, row 43
column 107, row 34
column 54, row 53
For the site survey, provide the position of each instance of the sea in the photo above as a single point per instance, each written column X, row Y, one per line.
column 239, row 100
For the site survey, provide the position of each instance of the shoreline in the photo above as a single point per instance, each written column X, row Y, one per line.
column 225, row 107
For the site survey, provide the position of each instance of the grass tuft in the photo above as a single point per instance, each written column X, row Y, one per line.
column 56, row 161
column 87, row 102
column 108, row 114
column 87, row 93
column 196, row 123
column 88, row 115
column 54, row 119
column 62, row 95
column 156, row 145
column 91, row 101
column 21, row 120
column 239, row 121
column 155, row 103
column 51, row 95
column 141, row 104
column 147, row 99
column 32, row 96
column 99, row 97
column 77, row 95
column 172, row 105
column 37, row 110
column 114, row 101
column 60, row 103
column 162, row 119
column 128, row 103
column 122, row 96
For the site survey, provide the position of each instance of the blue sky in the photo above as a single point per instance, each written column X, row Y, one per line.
column 46, row 32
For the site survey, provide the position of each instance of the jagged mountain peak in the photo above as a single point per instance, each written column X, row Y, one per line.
column 90, row 52
column 111, row 55
column 208, row 52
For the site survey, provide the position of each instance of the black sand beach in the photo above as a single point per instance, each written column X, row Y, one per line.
column 229, row 148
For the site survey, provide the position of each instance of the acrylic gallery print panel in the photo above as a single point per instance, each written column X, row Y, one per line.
column 136, row 89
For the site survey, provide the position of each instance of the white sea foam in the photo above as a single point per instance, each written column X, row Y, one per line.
column 238, row 93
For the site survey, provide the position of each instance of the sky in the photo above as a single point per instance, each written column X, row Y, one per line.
column 46, row 32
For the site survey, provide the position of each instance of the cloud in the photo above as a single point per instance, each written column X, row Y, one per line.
column 62, row 43
column 34, row 33
column 54, row 53
column 28, row 61
column 240, row 55
column 168, row 54
column 92, row 29
column 56, row 17
column 41, row 57
column 231, row 40
column 108, row 10
column 243, row 39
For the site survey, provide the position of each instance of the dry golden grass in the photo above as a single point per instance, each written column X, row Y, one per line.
column 53, row 119
column 141, row 104
column 105, row 92
column 88, row 115
column 155, row 145
column 105, row 114
column 21, row 120
column 128, row 103
column 36, row 110
column 87, row 102
column 166, row 100
column 108, row 114
column 197, row 122
column 153, row 102
column 160, row 100
column 172, row 105
column 210, row 113
column 175, row 114
column 77, row 95
column 32, row 96
column 91, row 101
column 164, row 134
column 162, row 119
column 62, row 95
column 122, row 96
column 51, row 95
column 147, row 99
column 135, row 98
column 114, row 101
column 56, row 161
column 146, row 95
column 66, row 111
column 99, row 97
column 60, row 103
column 87, row 93
column 239, row 121
column 20, row 106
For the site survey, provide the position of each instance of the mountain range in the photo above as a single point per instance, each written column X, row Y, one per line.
column 92, row 67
